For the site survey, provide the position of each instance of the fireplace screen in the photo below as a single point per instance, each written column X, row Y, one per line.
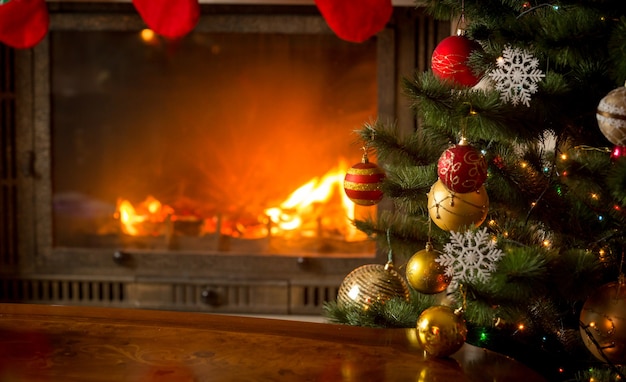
column 218, row 142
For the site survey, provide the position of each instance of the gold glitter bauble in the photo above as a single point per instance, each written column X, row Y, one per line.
column 425, row 274
column 452, row 211
column 603, row 321
column 440, row 331
column 372, row 283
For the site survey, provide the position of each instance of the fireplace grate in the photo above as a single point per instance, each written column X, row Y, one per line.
column 8, row 173
column 309, row 297
column 63, row 291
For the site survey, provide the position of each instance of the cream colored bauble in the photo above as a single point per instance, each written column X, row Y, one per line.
column 611, row 116
column 452, row 211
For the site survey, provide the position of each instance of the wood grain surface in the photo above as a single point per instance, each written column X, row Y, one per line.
column 63, row 343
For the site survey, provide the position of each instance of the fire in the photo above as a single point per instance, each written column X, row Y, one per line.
column 304, row 204
column 143, row 219
column 318, row 207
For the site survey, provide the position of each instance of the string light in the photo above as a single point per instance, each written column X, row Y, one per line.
column 563, row 156
column 147, row 35
column 484, row 337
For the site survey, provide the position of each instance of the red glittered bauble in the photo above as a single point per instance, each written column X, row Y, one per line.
column 462, row 168
column 449, row 60
column 363, row 183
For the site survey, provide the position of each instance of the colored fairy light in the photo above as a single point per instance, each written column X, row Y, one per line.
column 600, row 217
column 147, row 35
column 484, row 336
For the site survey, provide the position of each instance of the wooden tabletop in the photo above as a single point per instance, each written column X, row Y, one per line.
column 62, row 343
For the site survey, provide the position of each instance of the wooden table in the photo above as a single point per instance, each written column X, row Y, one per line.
column 61, row 343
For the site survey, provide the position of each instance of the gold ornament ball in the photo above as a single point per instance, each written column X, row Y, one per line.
column 372, row 283
column 611, row 116
column 452, row 211
column 425, row 274
column 603, row 320
column 440, row 331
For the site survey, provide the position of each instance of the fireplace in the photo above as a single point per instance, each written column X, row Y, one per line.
column 203, row 174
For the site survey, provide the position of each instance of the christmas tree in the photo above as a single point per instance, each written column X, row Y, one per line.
column 511, row 191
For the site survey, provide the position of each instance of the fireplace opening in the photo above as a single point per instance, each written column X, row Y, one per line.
column 205, row 146
column 222, row 141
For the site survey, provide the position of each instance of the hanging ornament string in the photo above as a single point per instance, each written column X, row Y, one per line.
column 461, row 25
column 390, row 253
column 463, row 293
column 464, row 120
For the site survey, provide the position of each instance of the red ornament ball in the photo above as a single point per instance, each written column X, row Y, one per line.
column 449, row 60
column 462, row 168
column 363, row 181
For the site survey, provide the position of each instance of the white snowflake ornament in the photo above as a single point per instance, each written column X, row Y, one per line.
column 517, row 75
column 470, row 256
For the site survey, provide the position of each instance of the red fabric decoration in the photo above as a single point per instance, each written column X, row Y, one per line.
column 23, row 23
column 169, row 18
column 449, row 60
column 355, row 21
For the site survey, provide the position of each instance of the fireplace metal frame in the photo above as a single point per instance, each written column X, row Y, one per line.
column 35, row 271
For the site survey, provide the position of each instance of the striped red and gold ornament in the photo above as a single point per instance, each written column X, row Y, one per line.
column 363, row 182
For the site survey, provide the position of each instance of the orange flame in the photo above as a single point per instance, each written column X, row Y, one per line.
column 302, row 203
column 133, row 220
column 316, row 206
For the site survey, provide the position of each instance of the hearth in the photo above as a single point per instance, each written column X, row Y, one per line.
column 202, row 174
